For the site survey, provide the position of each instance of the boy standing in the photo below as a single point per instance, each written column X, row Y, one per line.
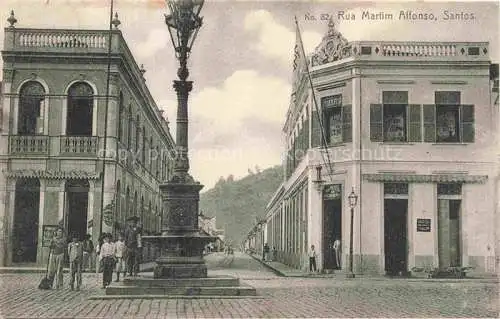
column 119, row 255
column 88, row 249
column 107, row 256
column 75, row 252
column 312, row 259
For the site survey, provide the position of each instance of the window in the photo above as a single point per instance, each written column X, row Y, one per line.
column 395, row 120
column 336, row 122
column 129, row 128
column 120, row 117
column 30, row 109
column 137, row 133
column 448, row 121
column 80, row 109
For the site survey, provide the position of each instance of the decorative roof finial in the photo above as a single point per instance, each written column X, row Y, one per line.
column 12, row 19
column 331, row 27
column 115, row 22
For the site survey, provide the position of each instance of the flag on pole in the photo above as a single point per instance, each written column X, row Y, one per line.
column 299, row 58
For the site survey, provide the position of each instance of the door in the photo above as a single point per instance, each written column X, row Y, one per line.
column 77, row 194
column 25, row 228
column 332, row 230
column 395, row 236
column 449, row 236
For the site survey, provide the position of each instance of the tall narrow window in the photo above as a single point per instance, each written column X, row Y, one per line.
column 143, row 151
column 137, row 133
column 394, row 109
column 336, row 120
column 120, row 117
column 80, row 109
column 30, row 118
column 129, row 128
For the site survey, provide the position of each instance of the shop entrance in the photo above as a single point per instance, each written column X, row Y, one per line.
column 332, row 227
column 77, row 195
column 395, row 236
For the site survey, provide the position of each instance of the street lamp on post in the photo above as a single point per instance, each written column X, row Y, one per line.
column 353, row 200
column 183, row 24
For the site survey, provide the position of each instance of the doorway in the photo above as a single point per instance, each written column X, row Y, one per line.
column 26, row 210
column 395, row 236
column 449, row 237
column 332, row 230
column 77, row 195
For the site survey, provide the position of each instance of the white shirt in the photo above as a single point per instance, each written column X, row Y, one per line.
column 312, row 253
column 336, row 244
column 107, row 249
column 119, row 249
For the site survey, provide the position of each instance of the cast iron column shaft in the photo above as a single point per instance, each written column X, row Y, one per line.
column 351, row 243
column 182, row 161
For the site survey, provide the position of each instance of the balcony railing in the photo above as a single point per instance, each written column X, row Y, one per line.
column 29, row 144
column 79, row 145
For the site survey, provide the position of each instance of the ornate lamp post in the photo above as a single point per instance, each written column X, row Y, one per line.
column 181, row 242
column 353, row 200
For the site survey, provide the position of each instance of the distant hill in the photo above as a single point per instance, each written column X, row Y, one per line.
column 237, row 204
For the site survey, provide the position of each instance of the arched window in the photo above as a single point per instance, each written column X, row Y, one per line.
column 30, row 116
column 127, row 203
column 120, row 117
column 143, row 151
column 129, row 128
column 80, row 108
column 151, row 155
column 158, row 162
column 137, row 132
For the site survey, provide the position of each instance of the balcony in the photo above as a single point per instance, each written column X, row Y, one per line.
column 29, row 144
column 79, row 145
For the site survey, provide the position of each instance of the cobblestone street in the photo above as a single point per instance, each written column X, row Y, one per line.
column 277, row 297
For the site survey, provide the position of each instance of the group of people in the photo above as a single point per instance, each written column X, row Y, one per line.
column 313, row 255
column 120, row 256
column 267, row 255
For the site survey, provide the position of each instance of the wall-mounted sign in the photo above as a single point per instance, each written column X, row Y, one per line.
column 423, row 225
column 333, row 191
column 48, row 234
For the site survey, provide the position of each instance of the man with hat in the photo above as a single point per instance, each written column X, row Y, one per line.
column 107, row 254
column 132, row 242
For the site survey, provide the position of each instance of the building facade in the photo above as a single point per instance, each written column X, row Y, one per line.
column 57, row 120
column 412, row 129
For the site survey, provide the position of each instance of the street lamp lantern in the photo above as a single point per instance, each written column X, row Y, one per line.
column 353, row 199
column 319, row 179
column 183, row 24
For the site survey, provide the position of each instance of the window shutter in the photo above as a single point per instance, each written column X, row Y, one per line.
column 347, row 123
column 467, row 123
column 316, row 130
column 376, row 123
column 414, row 123
column 430, row 123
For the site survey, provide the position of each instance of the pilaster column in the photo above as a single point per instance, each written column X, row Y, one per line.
column 108, row 204
column 9, row 219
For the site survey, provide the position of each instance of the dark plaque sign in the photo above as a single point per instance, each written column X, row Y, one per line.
column 423, row 225
column 331, row 101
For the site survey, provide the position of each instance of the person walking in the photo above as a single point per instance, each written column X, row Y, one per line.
column 132, row 239
column 107, row 255
column 119, row 257
column 58, row 248
column 88, row 250
column 312, row 259
column 265, row 252
column 75, row 253
column 337, row 250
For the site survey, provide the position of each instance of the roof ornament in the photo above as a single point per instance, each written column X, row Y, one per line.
column 115, row 22
column 12, row 19
column 333, row 47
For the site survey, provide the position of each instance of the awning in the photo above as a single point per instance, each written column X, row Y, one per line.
column 435, row 178
column 31, row 173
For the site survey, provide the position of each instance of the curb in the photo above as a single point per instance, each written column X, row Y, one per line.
column 276, row 271
column 381, row 278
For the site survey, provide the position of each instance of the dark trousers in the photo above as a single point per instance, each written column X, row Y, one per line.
column 312, row 263
column 108, row 264
column 75, row 268
column 132, row 260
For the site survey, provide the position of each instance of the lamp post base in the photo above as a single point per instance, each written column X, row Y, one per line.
column 350, row 275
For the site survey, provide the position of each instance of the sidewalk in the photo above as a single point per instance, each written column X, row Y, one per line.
column 40, row 270
column 287, row 271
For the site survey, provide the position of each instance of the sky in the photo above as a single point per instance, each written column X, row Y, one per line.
column 241, row 61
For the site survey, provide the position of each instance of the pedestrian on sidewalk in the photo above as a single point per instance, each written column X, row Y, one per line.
column 132, row 242
column 119, row 257
column 107, row 254
column 265, row 252
column 88, row 250
column 312, row 259
column 275, row 254
column 58, row 246
column 337, row 248
column 75, row 253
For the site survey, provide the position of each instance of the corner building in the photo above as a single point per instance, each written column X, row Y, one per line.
column 412, row 128
column 52, row 140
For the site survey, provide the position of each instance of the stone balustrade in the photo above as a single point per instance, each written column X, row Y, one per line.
column 79, row 145
column 29, row 144
column 56, row 40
